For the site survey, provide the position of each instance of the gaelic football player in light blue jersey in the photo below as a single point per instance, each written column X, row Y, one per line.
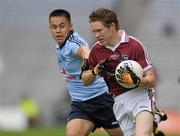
column 70, row 67
column 91, row 105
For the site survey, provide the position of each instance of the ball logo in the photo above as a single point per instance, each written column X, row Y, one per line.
column 121, row 70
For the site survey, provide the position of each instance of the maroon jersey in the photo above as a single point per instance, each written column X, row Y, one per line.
column 128, row 48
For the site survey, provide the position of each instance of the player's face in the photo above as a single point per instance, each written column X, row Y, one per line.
column 60, row 28
column 102, row 33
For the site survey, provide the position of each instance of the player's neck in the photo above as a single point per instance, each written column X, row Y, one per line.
column 116, row 39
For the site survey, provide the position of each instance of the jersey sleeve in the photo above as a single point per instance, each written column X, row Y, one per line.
column 78, row 43
column 142, row 57
column 74, row 48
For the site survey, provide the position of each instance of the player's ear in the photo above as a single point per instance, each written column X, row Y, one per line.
column 113, row 25
column 71, row 26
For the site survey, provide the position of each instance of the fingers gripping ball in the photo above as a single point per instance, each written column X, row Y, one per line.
column 128, row 73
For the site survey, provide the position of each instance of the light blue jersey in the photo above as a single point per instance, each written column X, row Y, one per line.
column 70, row 67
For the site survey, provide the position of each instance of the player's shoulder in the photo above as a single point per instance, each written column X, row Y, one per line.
column 96, row 46
column 134, row 41
column 77, row 39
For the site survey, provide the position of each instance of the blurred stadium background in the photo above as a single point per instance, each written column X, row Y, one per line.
column 28, row 67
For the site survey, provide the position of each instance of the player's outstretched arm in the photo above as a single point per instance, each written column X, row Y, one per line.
column 88, row 76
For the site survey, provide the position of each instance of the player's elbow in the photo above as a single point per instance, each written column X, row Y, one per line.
column 152, row 84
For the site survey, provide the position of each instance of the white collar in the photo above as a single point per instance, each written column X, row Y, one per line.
column 123, row 39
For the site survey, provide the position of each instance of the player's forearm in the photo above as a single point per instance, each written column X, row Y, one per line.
column 88, row 77
column 148, row 81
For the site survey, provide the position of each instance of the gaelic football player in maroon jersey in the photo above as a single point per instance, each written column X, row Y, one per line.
column 133, row 107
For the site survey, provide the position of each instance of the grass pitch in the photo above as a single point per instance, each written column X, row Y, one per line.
column 39, row 131
column 57, row 131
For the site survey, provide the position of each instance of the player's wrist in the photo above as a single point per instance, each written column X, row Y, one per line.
column 143, row 82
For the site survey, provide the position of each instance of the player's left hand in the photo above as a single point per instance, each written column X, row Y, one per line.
column 126, row 75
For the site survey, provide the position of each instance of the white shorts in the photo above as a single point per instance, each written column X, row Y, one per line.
column 128, row 105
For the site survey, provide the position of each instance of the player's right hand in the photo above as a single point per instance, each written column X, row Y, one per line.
column 136, row 80
column 100, row 67
column 126, row 75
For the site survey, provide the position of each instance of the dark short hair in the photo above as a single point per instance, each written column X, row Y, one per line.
column 106, row 16
column 60, row 12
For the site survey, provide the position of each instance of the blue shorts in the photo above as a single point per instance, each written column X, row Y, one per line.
column 98, row 110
